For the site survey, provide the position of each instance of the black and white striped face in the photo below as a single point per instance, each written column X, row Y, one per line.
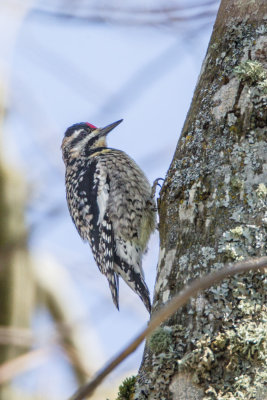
column 78, row 137
column 84, row 136
column 82, row 127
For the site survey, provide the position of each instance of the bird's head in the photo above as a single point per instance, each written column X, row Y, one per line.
column 83, row 137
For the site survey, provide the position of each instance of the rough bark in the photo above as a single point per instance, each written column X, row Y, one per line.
column 213, row 210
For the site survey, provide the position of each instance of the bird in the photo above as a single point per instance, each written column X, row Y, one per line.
column 111, row 203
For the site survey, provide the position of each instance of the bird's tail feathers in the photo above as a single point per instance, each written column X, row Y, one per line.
column 133, row 276
column 113, row 281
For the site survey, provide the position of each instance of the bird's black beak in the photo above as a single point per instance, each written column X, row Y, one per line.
column 104, row 131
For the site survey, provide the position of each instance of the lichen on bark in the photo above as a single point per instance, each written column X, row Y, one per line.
column 213, row 210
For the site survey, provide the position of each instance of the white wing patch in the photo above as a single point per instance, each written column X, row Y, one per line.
column 102, row 199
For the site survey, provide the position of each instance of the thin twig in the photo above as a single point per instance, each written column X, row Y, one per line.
column 18, row 365
column 131, row 16
column 178, row 301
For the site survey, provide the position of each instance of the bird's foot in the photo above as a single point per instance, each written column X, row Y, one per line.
column 154, row 186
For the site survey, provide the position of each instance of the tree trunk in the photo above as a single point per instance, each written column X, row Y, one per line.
column 212, row 211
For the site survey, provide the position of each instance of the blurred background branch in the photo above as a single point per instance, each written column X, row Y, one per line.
column 160, row 14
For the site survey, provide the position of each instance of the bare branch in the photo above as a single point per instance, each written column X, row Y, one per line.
column 155, row 16
column 167, row 311
column 30, row 360
column 21, row 337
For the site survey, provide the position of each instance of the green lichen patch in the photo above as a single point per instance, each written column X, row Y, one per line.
column 263, row 86
column 236, row 183
column 261, row 191
column 160, row 341
column 126, row 389
column 237, row 232
column 251, row 72
column 214, row 360
column 242, row 241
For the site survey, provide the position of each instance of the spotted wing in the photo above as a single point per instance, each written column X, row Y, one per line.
column 95, row 187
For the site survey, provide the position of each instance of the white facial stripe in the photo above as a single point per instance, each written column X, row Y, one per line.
column 94, row 133
column 76, row 134
column 79, row 146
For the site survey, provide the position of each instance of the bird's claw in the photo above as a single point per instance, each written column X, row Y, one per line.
column 154, row 186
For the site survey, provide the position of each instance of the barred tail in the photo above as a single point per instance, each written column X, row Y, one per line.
column 113, row 281
column 133, row 276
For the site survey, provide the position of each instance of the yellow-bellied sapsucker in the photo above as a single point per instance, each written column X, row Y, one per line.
column 111, row 204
